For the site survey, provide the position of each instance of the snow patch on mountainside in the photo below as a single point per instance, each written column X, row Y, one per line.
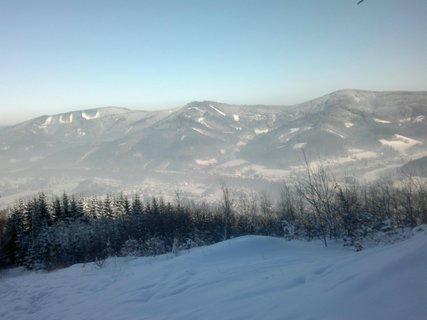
column 381, row 121
column 360, row 154
column 260, row 130
column 300, row 145
column 334, row 133
column 62, row 119
column 285, row 137
column 348, row 124
column 400, row 143
column 90, row 117
column 202, row 121
column 233, row 163
column 352, row 156
column 236, row 117
column 87, row 154
column 46, row 123
column 207, row 162
column 419, row 119
column 81, row 132
column 242, row 143
column 196, row 108
column 203, row 132
column 129, row 129
column 405, row 120
column 217, row 110
column 36, row 158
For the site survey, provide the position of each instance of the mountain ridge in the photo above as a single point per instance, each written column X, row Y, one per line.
column 195, row 102
column 366, row 132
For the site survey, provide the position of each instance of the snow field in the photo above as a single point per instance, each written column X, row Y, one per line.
column 249, row 277
column 400, row 143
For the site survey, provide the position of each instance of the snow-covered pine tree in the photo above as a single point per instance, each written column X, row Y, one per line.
column 56, row 210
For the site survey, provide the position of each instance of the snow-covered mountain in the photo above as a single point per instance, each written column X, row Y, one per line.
column 99, row 150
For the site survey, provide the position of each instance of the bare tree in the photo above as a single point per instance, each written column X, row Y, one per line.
column 227, row 204
column 318, row 189
column 287, row 202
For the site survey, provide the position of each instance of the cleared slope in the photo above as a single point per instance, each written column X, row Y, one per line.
column 244, row 278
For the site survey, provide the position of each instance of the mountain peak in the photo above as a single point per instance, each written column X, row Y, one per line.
column 204, row 103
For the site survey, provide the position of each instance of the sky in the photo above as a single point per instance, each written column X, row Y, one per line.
column 58, row 56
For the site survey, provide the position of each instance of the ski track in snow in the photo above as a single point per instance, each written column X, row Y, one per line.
column 202, row 132
column 334, row 133
column 217, row 110
column 250, row 277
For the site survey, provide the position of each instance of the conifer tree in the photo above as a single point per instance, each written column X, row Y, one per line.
column 65, row 208
column 57, row 210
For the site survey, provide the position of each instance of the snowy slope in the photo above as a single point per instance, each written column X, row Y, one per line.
column 244, row 278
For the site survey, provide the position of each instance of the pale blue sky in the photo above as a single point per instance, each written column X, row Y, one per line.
column 59, row 55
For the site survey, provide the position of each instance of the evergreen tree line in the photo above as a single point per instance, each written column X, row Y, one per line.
column 46, row 233
column 51, row 233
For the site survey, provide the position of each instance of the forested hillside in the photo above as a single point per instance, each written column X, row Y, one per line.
column 48, row 233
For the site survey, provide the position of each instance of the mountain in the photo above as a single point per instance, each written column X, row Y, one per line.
column 194, row 147
column 416, row 167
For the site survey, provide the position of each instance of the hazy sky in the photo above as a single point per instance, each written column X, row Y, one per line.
column 59, row 55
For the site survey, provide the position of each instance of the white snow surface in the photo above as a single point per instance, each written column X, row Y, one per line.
column 46, row 123
column 300, row 145
column 419, row 119
column 250, row 277
column 400, row 143
column 334, row 133
column 260, row 130
column 381, row 121
column 203, row 132
column 62, row 119
column 207, row 162
column 217, row 110
column 87, row 116
column 202, row 121
column 81, row 132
